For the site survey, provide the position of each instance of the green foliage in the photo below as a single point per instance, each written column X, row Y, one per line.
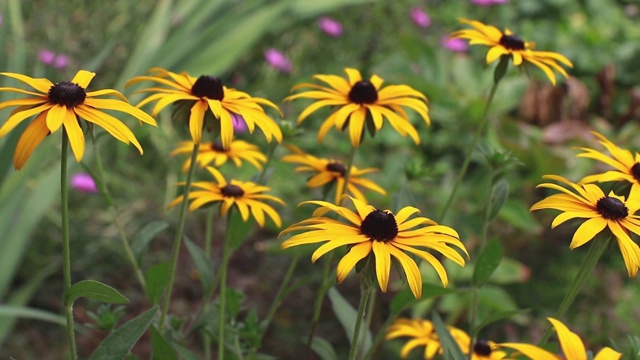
column 323, row 348
column 162, row 350
column 93, row 290
column 347, row 316
column 117, row 345
column 106, row 318
column 156, row 277
column 450, row 347
column 203, row 265
column 487, row 263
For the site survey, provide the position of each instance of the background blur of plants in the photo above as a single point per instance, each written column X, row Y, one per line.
column 530, row 120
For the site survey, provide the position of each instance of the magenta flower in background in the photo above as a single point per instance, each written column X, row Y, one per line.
column 331, row 27
column 239, row 125
column 84, row 183
column 61, row 62
column 0, row 19
column 46, row 56
column 454, row 44
column 277, row 60
column 420, row 17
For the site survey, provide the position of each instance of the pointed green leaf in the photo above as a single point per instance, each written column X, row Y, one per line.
column 203, row 265
column 117, row 345
column 449, row 345
column 144, row 237
column 15, row 311
column 347, row 315
column 487, row 263
column 323, row 348
column 156, row 278
column 162, row 350
column 499, row 195
column 496, row 317
column 93, row 290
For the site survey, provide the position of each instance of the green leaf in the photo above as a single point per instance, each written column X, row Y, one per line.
column 488, row 261
column 449, row 346
column 499, row 195
column 185, row 353
column 517, row 214
column 93, row 290
column 496, row 317
column 203, row 264
column 323, row 348
column 156, row 277
column 405, row 298
column 117, row 345
column 144, row 237
column 162, row 350
column 14, row 311
column 347, row 316
column 237, row 229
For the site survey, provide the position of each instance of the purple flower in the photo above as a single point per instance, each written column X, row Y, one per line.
column 239, row 125
column 0, row 19
column 488, row 2
column 330, row 26
column 277, row 60
column 46, row 56
column 420, row 17
column 454, row 44
column 84, row 183
column 61, row 62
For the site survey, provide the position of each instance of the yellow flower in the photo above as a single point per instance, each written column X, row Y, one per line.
column 381, row 233
column 214, row 152
column 357, row 98
column 199, row 95
column 602, row 211
column 329, row 171
column 61, row 104
column 571, row 344
column 627, row 166
column 247, row 197
column 423, row 333
column 508, row 44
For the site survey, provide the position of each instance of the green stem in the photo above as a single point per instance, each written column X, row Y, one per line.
column 347, row 174
column 106, row 194
column 470, row 150
column 178, row 240
column 223, row 290
column 262, row 175
column 598, row 246
column 281, row 291
column 208, row 232
column 66, row 249
column 365, row 293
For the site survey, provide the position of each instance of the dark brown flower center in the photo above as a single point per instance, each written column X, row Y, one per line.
column 363, row 92
column 380, row 225
column 482, row 348
column 67, row 93
column 512, row 42
column 337, row 167
column 217, row 146
column 612, row 208
column 635, row 171
column 209, row 87
column 232, row 191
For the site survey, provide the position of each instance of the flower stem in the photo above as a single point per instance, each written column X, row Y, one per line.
column 598, row 246
column 66, row 249
column 263, row 173
column 208, row 232
column 223, row 290
column 281, row 291
column 106, row 194
column 470, row 150
column 365, row 293
column 178, row 240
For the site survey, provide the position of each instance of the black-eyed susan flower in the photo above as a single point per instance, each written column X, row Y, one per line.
column 362, row 103
column 508, row 44
column 571, row 344
column 208, row 95
column 383, row 235
column 330, row 171
column 612, row 212
column 213, row 152
column 247, row 197
column 626, row 165
column 423, row 333
column 62, row 105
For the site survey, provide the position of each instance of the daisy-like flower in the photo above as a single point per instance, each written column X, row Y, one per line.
column 207, row 93
column 571, row 344
column 588, row 201
column 423, row 333
column 329, row 171
column 247, row 197
column 508, row 44
column 62, row 104
column 362, row 102
column 379, row 233
column 627, row 166
column 214, row 152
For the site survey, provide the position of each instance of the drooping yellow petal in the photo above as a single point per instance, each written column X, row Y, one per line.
column 355, row 254
column 29, row 140
column 74, row 132
column 572, row 346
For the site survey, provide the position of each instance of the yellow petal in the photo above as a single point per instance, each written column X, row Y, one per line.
column 29, row 140
column 572, row 346
column 74, row 132
column 357, row 253
column 83, row 78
